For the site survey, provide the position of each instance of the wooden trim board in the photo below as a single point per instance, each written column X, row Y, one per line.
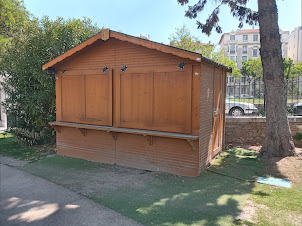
column 124, row 130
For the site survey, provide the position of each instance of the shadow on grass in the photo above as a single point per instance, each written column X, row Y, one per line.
column 216, row 197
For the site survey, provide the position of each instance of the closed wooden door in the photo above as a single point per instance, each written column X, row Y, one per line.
column 157, row 98
column 217, row 113
column 87, row 97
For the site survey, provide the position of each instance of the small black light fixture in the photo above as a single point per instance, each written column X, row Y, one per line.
column 51, row 71
column 105, row 69
column 63, row 71
column 181, row 65
column 123, row 69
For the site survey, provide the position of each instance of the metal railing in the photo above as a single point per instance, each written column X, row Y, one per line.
column 245, row 96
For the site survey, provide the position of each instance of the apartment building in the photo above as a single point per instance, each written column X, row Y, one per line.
column 295, row 45
column 3, row 118
column 240, row 46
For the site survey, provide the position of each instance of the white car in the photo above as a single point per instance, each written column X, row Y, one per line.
column 235, row 108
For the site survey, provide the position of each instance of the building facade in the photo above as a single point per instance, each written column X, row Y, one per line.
column 3, row 118
column 295, row 45
column 240, row 46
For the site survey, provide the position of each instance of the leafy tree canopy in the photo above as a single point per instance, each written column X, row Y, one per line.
column 31, row 92
column 13, row 16
column 182, row 38
column 253, row 68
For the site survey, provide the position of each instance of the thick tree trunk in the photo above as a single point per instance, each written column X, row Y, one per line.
column 278, row 141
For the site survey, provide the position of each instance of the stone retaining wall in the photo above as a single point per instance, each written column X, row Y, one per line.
column 251, row 130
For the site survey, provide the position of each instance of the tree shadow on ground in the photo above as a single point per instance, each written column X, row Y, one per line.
column 214, row 198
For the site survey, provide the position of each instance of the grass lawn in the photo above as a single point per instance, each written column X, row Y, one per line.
column 10, row 148
column 214, row 198
column 224, row 194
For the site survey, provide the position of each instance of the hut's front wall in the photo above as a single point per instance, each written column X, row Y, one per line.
column 152, row 94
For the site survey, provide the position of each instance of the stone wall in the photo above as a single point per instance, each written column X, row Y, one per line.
column 251, row 130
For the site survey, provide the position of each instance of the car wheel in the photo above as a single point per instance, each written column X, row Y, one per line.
column 236, row 111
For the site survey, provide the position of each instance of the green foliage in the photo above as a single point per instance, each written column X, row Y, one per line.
column 182, row 38
column 13, row 16
column 298, row 136
column 252, row 68
column 30, row 101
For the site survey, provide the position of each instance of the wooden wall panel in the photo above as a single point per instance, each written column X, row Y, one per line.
column 172, row 101
column 136, row 91
column 154, row 99
column 116, row 53
column 195, row 99
column 98, row 99
column 217, row 111
column 206, row 114
column 85, row 97
column 73, row 98
column 174, row 156
column 96, row 146
column 163, row 154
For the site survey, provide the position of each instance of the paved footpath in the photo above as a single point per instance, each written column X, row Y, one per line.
column 30, row 200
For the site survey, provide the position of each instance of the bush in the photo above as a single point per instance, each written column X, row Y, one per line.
column 30, row 101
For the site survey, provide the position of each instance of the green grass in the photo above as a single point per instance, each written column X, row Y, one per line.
column 216, row 197
column 164, row 199
column 9, row 147
column 279, row 206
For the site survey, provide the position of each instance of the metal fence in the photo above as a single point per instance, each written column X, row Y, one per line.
column 245, row 96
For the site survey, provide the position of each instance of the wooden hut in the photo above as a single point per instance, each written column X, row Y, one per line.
column 137, row 103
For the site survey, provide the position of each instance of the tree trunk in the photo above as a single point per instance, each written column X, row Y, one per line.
column 278, row 141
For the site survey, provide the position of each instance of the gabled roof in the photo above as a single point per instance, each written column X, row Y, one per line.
column 106, row 34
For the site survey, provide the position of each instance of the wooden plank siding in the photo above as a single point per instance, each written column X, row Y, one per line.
column 153, row 116
column 162, row 154
column 144, row 97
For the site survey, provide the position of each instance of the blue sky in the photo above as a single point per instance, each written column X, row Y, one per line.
column 158, row 18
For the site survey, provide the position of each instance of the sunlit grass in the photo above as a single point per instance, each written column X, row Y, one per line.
column 9, row 147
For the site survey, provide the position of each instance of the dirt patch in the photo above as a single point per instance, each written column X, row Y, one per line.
column 114, row 178
column 91, row 179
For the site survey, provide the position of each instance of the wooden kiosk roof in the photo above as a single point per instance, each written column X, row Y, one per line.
column 106, row 34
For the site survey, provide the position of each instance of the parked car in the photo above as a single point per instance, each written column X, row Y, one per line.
column 228, row 96
column 235, row 108
column 245, row 96
column 297, row 109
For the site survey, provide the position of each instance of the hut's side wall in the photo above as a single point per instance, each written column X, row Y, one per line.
column 212, row 113
column 206, row 114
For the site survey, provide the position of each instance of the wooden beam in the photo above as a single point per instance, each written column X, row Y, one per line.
column 126, row 130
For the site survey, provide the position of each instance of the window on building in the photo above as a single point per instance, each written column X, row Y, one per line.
column 243, row 79
column 245, row 37
column 244, row 49
column 232, row 49
column 255, row 38
column 255, row 52
column 232, row 58
column 244, row 58
column 232, row 37
column 231, row 79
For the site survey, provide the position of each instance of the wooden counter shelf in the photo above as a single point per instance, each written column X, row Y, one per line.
column 83, row 127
